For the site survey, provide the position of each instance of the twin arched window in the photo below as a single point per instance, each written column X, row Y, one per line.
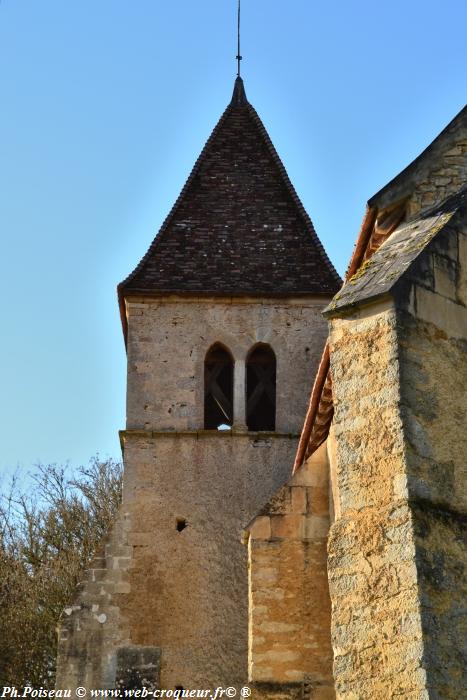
column 260, row 390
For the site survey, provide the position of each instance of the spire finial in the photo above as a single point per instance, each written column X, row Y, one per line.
column 238, row 57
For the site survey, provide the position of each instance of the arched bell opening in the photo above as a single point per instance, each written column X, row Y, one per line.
column 218, row 388
column 261, row 388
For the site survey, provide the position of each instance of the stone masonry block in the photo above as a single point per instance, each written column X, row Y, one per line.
column 288, row 526
column 316, row 527
column 299, row 499
column 445, row 277
column 314, row 471
column 137, row 667
column 140, row 538
column 261, row 528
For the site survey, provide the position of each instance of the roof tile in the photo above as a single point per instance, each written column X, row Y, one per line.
column 238, row 226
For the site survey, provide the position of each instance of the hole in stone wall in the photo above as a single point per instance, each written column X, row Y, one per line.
column 181, row 524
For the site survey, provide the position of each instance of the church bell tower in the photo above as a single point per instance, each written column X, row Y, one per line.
column 223, row 328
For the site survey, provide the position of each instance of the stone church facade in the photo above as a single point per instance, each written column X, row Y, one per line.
column 341, row 579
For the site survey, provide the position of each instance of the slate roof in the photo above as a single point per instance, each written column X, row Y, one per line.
column 238, row 226
column 367, row 277
column 376, row 228
column 373, row 273
column 379, row 274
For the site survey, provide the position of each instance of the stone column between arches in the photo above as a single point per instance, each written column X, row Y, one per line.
column 239, row 396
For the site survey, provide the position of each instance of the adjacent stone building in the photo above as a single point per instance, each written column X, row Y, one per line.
column 362, row 553
column 343, row 577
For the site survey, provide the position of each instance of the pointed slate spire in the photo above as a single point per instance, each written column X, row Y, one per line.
column 238, row 226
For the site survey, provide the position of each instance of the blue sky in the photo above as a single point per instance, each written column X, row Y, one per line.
column 105, row 106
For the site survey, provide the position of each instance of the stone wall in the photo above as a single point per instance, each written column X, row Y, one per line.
column 397, row 557
column 182, row 590
column 439, row 172
column 433, row 358
column 376, row 624
column 172, row 578
column 92, row 626
column 169, row 339
column 290, row 652
column 445, row 177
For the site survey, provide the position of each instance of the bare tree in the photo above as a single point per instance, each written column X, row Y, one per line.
column 47, row 536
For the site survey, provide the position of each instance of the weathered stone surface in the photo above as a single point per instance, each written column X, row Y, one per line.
column 438, row 172
column 185, row 590
column 169, row 339
column 381, row 273
column 291, row 691
column 289, row 614
column 443, row 178
column 396, row 553
column 371, row 553
column 433, row 360
column 138, row 667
